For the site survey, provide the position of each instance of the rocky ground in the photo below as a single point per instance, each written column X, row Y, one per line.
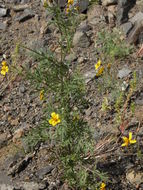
column 26, row 22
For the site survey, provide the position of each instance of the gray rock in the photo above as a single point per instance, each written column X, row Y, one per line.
column 123, row 8
column 84, row 27
column 139, row 100
column 83, row 5
column 140, row 73
column 27, row 14
column 71, row 57
column 109, row 2
column 3, row 139
column 126, row 28
column 3, row 12
column 6, row 187
column 135, row 32
column 14, row 2
column 94, row 12
column 2, row 26
column 22, row 88
column 140, row 38
column 140, row 133
column 134, row 177
column 124, row 73
column 44, row 171
column 21, row 165
column 18, row 8
column 81, row 39
column 137, row 18
column 40, row 44
column 111, row 18
column 61, row 3
column 30, row 186
column 89, row 75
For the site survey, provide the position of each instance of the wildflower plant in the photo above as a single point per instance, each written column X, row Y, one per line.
column 113, row 46
column 64, row 124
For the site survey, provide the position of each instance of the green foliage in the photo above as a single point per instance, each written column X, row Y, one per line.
column 91, row 2
column 113, row 47
column 71, row 138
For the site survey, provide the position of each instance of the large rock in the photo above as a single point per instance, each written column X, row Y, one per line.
column 6, row 187
column 123, row 9
column 124, row 73
column 89, row 75
column 61, row 3
column 137, row 18
column 45, row 170
column 84, row 27
column 20, row 7
column 81, row 39
column 27, row 14
column 134, row 177
column 83, row 5
column 126, row 28
column 95, row 14
column 135, row 33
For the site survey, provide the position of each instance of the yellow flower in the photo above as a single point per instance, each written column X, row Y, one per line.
column 109, row 66
column 100, row 71
column 4, row 70
column 102, row 187
column 67, row 10
column 55, row 119
column 97, row 65
column 70, row 2
column 45, row 4
column 41, row 94
column 4, row 63
column 98, row 68
column 129, row 140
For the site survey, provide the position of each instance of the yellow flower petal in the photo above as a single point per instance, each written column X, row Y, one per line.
column 41, row 94
column 70, row 2
column 4, row 63
column 102, row 187
column 3, row 72
column 100, row 71
column 57, row 116
column 6, row 68
column 126, row 141
column 97, row 65
column 53, row 114
column 50, row 121
column 130, row 135
column 132, row 141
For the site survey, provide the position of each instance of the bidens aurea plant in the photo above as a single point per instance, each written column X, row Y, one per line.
column 72, row 137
